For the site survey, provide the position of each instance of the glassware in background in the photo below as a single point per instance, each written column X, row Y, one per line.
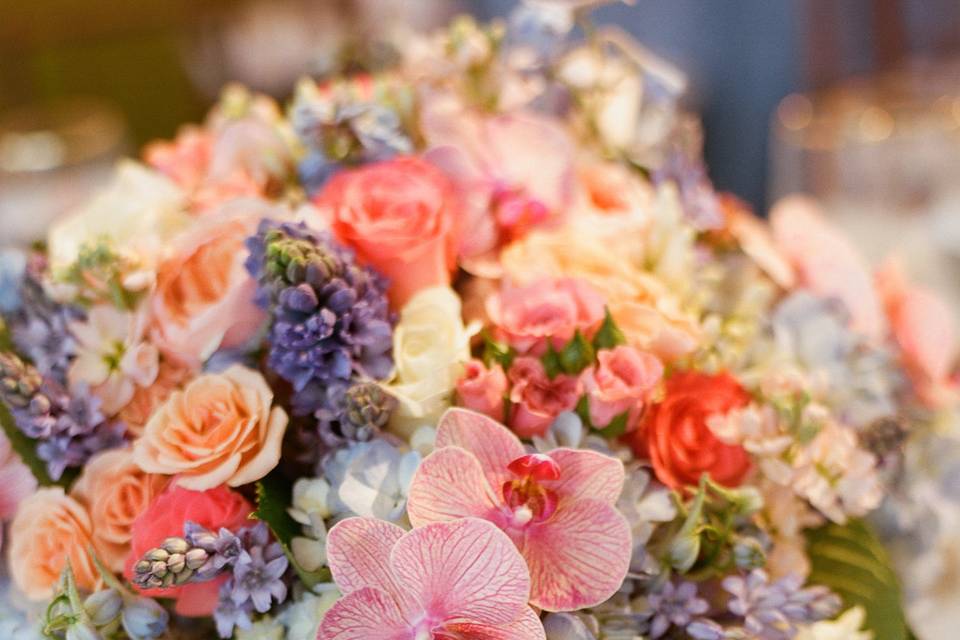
column 52, row 158
column 882, row 154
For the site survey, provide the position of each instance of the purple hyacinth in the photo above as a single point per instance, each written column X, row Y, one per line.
column 331, row 321
column 772, row 610
column 69, row 428
column 40, row 328
column 675, row 605
column 256, row 581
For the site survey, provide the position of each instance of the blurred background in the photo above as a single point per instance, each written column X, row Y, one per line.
column 855, row 101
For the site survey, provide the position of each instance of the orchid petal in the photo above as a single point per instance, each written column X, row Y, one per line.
column 357, row 552
column 366, row 614
column 491, row 442
column 463, row 570
column 449, row 484
column 579, row 557
column 525, row 627
column 587, row 474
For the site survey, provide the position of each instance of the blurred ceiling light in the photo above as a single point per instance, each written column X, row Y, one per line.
column 795, row 112
column 875, row 124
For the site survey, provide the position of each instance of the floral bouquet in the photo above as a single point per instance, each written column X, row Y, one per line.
column 467, row 347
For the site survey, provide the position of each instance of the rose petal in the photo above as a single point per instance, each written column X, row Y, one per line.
column 579, row 557
column 466, row 569
column 449, row 484
column 367, row 614
column 526, row 627
column 491, row 442
column 587, row 475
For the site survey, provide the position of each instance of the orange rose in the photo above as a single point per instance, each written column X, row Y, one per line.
column 50, row 528
column 677, row 439
column 400, row 216
column 115, row 491
column 204, row 295
column 171, row 376
column 219, row 429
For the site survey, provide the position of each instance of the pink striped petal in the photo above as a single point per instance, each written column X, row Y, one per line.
column 449, row 484
column 493, row 444
column 357, row 553
column 587, row 475
column 579, row 557
column 366, row 614
column 526, row 627
column 462, row 570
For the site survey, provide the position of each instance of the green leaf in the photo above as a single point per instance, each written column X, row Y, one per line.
column 274, row 493
column 577, row 355
column 609, row 335
column 26, row 448
column 498, row 352
column 851, row 561
column 551, row 362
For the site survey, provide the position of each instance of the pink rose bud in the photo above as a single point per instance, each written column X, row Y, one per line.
column 482, row 389
column 621, row 380
column 538, row 400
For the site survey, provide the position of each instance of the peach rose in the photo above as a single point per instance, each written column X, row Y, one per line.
column 400, row 216
column 621, row 380
column 538, row 400
column 171, row 376
column 115, row 491
column 204, row 295
column 165, row 516
column 219, row 429
column 482, row 389
column 49, row 529
column 549, row 310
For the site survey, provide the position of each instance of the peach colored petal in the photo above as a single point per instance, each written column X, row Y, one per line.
column 587, row 474
column 365, row 614
column 491, row 442
column 579, row 557
column 449, row 484
column 465, row 569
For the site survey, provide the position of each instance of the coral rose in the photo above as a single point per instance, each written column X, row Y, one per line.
column 621, row 380
column 678, row 440
column 49, row 529
column 165, row 517
column 204, row 295
column 537, row 399
column 115, row 491
column 482, row 389
column 401, row 218
column 552, row 309
column 219, row 429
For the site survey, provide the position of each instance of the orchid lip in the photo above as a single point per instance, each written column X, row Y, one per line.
column 535, row 465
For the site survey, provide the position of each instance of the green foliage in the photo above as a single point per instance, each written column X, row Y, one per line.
column 273, row 497
column 576, row 355
column 853, row 563
column 497, row 352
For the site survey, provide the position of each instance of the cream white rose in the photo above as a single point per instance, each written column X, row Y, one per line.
column 430, row 345
column 137, row 213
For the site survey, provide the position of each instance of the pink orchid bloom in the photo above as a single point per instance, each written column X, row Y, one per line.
column 16, row 481
column 515, row 170
column 558, row 508
column 445, row 581
column 825, row 261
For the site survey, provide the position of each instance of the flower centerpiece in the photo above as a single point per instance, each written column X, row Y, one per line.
column 466, row 347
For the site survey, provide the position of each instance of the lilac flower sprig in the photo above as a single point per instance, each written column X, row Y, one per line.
column 68, row 428
column 330, row 318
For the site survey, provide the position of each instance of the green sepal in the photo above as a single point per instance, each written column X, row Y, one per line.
column 551, row 362
column 497, row 352
column 576, row 355
column 609, row 335
column 273, row 497
column 616, row 428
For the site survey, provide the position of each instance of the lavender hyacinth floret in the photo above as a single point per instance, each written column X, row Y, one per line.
column 331, row 321
column 675, row 605
column 69, row 427
column 773, row 610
